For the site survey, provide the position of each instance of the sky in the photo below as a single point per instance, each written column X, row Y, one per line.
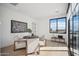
column 76, row 21
column 61, row 24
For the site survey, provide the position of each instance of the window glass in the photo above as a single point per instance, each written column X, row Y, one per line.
column 53, row 25
column 58, row 25
column 61, row 25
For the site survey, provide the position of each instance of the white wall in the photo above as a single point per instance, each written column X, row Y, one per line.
column 43, row 28
column 6, row 15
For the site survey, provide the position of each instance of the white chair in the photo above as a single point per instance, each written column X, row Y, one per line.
column 42, row 41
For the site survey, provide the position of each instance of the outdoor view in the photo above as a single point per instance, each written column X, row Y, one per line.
column 58, row 25
column 75, row 20
column 61, row 25
column 53, row 25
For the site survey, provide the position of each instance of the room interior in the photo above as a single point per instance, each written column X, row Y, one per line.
column 39, row 29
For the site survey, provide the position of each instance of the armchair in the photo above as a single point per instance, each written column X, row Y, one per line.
column 42, row 41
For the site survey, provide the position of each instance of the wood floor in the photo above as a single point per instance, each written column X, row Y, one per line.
column 53, row 53
column 8, row 51
column 0, row 51
column 55, row 44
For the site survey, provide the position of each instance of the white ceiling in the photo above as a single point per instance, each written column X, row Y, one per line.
column 37, row 10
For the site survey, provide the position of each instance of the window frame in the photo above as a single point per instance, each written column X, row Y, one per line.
column 57, row 25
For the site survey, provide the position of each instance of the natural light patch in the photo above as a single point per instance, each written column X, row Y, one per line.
column 53, row 48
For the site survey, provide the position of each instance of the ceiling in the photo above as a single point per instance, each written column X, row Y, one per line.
column 38, row 10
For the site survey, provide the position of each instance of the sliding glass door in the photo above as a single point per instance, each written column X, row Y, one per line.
column 74, row 32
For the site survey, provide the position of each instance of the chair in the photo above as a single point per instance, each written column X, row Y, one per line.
column 42, row 41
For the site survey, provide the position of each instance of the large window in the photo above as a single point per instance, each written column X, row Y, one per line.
column 58, row 25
